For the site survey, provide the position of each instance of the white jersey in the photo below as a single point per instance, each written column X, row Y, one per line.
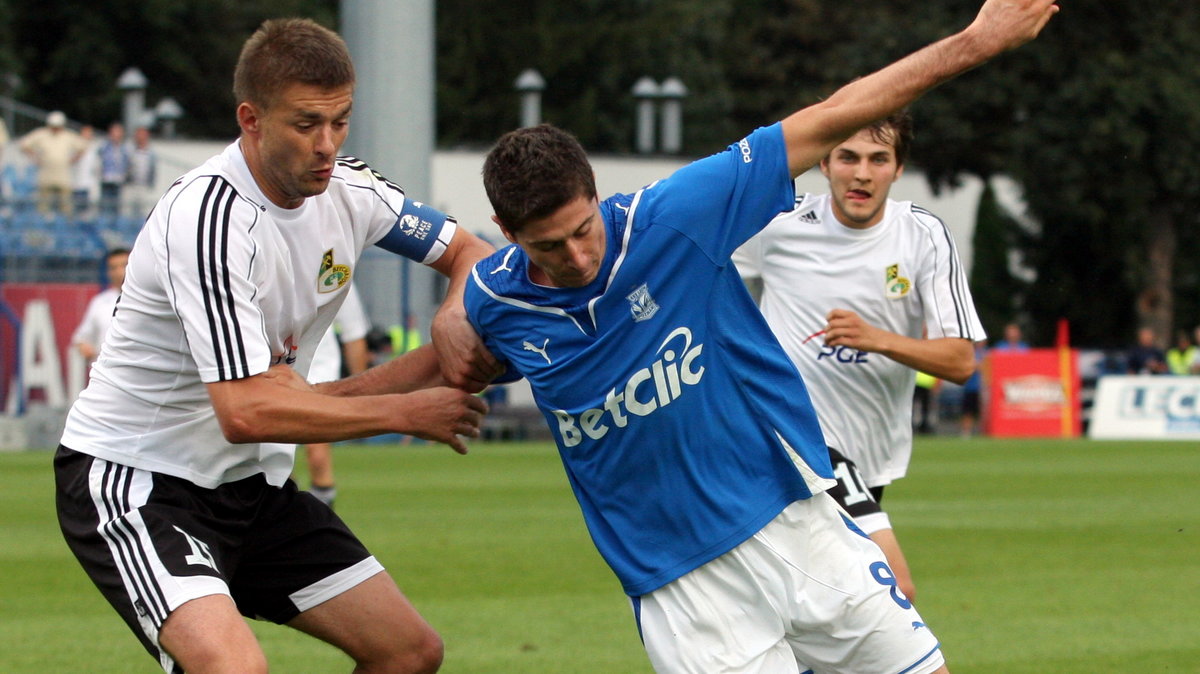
column 96, row 318
column 902, row 275
column 221, row 284
column 351, row 323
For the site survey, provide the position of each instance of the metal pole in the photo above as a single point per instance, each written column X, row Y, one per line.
column 645, row 90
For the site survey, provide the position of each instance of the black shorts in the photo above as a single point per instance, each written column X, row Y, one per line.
column 151, row 542
column 852, row 492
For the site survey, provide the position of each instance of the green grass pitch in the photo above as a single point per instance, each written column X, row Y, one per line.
column 1031, row 556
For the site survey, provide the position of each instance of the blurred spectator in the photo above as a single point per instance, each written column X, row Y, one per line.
column 142, row 166
column 971, row 393
column 1181, row 356
column 1145, row 357
column 85, row 174
column 923, row 412
column 3, row 140
column 3, row 164
column 53, row 149
column 1013, row 339
column 91, row 331
column 1194, row 363
column 406, row 338
column 114, row 168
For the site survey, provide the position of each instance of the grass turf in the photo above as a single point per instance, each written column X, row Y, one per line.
column 1030, row 556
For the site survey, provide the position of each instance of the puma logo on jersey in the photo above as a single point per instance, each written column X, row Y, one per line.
column 528, row 346
column 504, row 263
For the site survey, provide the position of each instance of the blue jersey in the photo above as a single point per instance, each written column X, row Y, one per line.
column 682, row 425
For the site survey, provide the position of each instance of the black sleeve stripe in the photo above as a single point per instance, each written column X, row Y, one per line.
column 958, row 279
column 355, row 164
column 237, row 328
column 212, row 254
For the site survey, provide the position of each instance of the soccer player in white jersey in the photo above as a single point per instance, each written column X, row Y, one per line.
column 852, row 281
column 173, row 486
column 686, row 433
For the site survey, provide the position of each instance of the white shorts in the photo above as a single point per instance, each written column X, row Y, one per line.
column 807, row 593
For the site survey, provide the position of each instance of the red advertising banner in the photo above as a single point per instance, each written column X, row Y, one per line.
column 1033, row 393
column 67, row 303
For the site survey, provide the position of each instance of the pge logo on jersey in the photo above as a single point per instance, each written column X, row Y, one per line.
column 645, row 392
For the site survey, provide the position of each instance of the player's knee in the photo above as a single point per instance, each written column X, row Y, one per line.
column 421, row 654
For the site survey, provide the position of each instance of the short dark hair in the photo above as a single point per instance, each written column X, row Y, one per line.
column 287, row 51
column 896, row 130
column 113, row 252
column 532, row 172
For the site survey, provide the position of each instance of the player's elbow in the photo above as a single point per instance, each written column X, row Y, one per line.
column 961, row 372
column 238, row 430
column 242, row 425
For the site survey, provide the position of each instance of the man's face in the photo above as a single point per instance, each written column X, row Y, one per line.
column 566, row 247
column 291, row 146
column 860, row 172
column 116, row 269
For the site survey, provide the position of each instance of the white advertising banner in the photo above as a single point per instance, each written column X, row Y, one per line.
column 1161, row 407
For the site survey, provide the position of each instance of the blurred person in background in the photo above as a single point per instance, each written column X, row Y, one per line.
column 143, row 167
column 98, row 316
column 85, row 173
column 1145, row 356
column 114, row 168
column 54, row 149
column 1181, row 356
column 1014, row 339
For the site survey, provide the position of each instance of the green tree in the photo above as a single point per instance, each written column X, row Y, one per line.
column 70, row 54
column 1098, row 120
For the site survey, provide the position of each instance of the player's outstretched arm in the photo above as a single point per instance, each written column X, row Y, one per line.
column 949, row 358
column 418, row 369
column 279, row 407
column 1001, row 25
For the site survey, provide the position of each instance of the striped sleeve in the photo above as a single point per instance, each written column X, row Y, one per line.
column 949, row 307
column 210, row 265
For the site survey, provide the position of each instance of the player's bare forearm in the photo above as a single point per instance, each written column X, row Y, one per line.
column 412, row 371
column 272, row 409
column 1001, row 25
column 949, row 358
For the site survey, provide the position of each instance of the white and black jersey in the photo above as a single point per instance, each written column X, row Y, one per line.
column 221, row 284
column 350, row 324
column 902, row 275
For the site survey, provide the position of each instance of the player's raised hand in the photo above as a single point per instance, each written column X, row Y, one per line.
column 445, row 415
column 1008, row 24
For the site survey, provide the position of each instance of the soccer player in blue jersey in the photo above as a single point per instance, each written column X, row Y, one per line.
column 686, row 433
